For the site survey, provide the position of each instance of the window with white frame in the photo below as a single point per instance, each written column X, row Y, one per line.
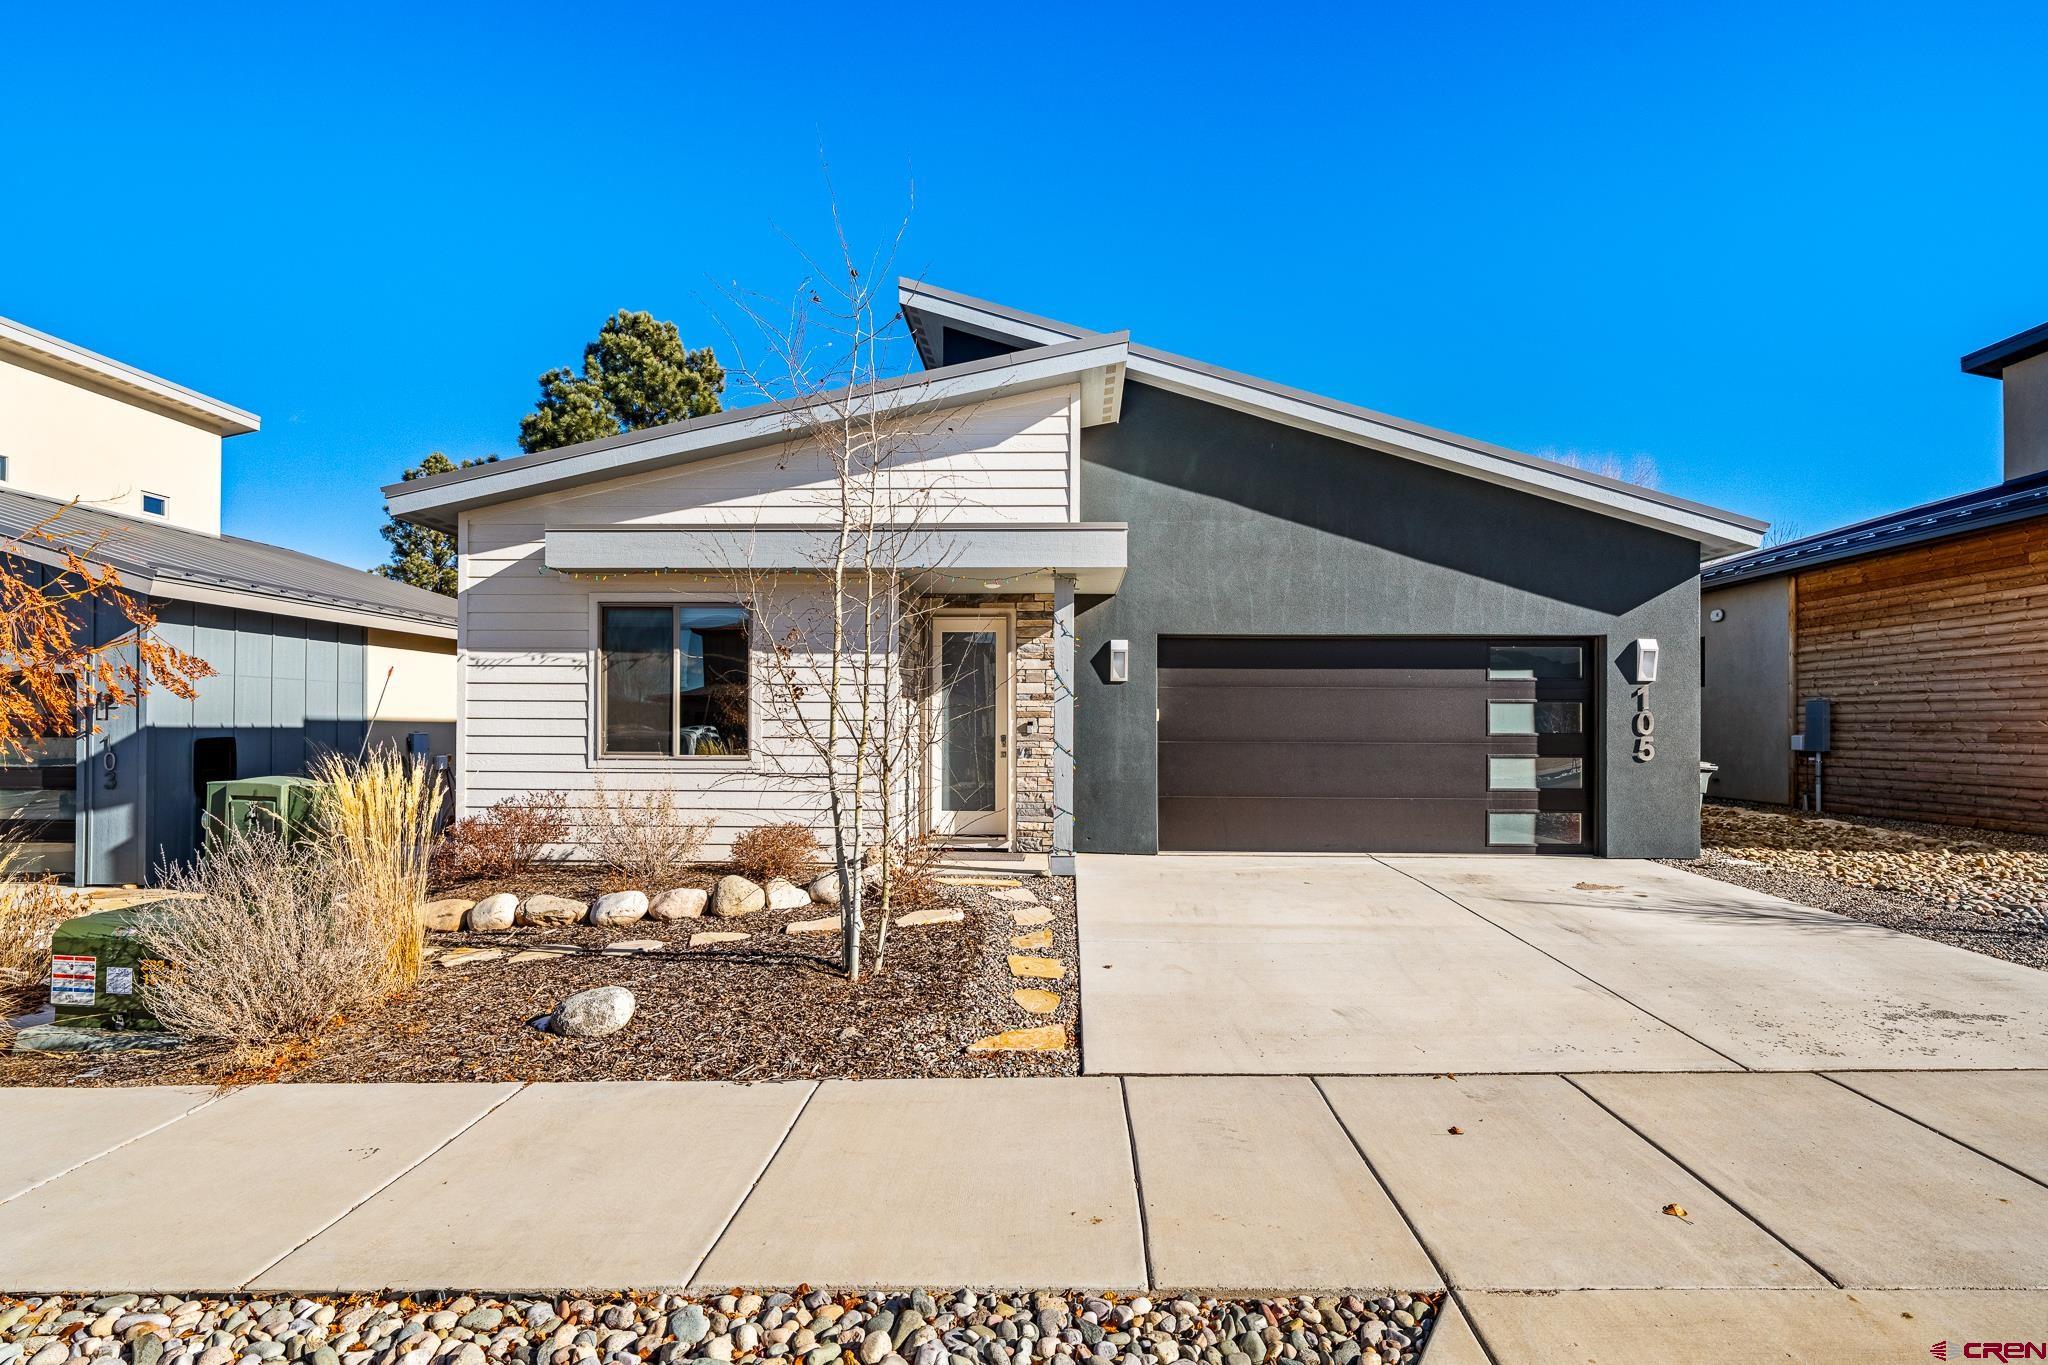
column 672, row 680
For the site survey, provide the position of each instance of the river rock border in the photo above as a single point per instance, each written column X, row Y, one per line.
column 809, row 1327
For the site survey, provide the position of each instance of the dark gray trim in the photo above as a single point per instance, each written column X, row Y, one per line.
column 2018, row 500
column 1993, row 361
column 910, row 292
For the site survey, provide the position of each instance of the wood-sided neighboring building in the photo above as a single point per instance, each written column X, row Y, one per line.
column 1926, row 629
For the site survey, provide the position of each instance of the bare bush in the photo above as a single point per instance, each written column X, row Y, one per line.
column 510, row 839
column 30, row 911
column 912, row 878
column 264, row 947
column 789, row 851
column 641, row 838
column 376, row 819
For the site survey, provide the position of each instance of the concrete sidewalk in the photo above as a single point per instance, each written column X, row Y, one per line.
column 1818, row 1210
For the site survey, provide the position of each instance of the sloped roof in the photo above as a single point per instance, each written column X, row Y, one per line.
column 190, row 404
column 931, row 310
column 1098, row 360
column 1999, row 505
column 170, row 561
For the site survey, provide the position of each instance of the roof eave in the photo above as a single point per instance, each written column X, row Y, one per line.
column 190, row 405
column 438, row 502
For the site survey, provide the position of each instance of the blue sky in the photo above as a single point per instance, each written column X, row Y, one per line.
column 1748, row 242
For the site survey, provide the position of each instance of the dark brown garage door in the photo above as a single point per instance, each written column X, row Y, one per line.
column 1382, row 746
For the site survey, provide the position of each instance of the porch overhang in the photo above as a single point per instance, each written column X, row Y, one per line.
column 950, row 557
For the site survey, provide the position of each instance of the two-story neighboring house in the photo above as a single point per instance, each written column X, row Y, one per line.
column 126, row 467
column 1175, row 608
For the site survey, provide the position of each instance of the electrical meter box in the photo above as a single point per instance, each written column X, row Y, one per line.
column 282, row 805
column 98, row 964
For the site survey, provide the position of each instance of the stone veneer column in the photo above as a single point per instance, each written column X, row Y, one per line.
column 1062, row 859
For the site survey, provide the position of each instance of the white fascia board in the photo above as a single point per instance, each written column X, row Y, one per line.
column 193, row 406
column 1716, row 532
column 436, row 501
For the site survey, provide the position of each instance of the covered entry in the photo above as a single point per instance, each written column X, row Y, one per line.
column 1400, row 745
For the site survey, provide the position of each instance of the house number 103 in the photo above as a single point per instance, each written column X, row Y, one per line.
column 1645, row 726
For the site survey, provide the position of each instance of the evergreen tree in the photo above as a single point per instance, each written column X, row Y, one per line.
column 637, row 374
column 421, row 556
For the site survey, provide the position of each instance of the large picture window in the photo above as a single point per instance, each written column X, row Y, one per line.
column 672, row 680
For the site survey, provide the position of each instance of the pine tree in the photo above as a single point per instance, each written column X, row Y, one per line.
column 420, row 555
column 637, row 374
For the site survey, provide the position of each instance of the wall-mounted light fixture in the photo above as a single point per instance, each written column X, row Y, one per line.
column 1717, row 615
column 1646, row 661
column 1119, row 661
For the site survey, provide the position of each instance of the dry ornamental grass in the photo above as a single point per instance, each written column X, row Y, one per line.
column 377, row 824
column 641, row 838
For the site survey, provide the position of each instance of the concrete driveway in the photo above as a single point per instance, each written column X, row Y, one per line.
column 1277, row 965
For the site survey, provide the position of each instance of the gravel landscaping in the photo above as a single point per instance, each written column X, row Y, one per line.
column 1978, row 889
column 765, row 1004
column 945, row 1327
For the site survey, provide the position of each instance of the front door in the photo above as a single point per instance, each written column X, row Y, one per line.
column 971, row 727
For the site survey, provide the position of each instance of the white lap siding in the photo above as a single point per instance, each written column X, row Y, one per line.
column 528, row 635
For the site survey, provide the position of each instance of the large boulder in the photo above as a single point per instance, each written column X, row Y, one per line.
column 542, row 908
column 825, row 890
column 493, row 913
column 783, row 895
column 594, row 1013
column 682, row 902
column 619, row 907
column 445, row 915
column 737, row 896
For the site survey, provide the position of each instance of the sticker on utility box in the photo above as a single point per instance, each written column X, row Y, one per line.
column 120, row 981
column 71, row 979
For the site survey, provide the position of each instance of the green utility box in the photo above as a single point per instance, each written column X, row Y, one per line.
column 97, row 966
column 282, row 805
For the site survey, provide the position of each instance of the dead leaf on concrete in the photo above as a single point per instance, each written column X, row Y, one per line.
column 1593, row 886
column 1675, row 1210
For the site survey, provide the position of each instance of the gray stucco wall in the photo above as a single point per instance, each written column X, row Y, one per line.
column 1241, row 526
column 285, row 689
column 1746, row 705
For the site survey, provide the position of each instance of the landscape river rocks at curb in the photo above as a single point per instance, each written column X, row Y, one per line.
column 948, row 1327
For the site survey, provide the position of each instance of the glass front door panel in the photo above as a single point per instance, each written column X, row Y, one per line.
column 39, row 804
column 967, row 721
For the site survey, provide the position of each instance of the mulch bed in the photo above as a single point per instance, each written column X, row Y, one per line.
column 1983, row 890
column 774, row 1007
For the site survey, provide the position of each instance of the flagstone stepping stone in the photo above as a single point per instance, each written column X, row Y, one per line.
column 944, row 880
column 445, row 915
column 827, row 925
column 945, row 914
column 699, row 940
column 1048, row 1038
column 1037, row 968
column 1024, row 918
column 535, row 955
column 1037, row 938
column 1016, row 895
column 470, row 957
column 635, row 945
column 1034, row 1001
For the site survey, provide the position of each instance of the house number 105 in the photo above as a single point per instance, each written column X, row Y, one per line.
column 1645, row 726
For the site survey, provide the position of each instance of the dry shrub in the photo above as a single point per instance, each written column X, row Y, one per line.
column 510, row 839
column 264, row 948
column 641, row 839
column 789, row 851
column 30, row 912
column 376, row 819
column 912, row 877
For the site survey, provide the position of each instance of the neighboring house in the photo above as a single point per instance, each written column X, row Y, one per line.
column 1191, row 610
column 126, row 468
column 1926, row 630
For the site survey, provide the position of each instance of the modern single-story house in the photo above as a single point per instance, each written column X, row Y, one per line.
column 126, row 468
column 1925, row 631
column 1182, row 609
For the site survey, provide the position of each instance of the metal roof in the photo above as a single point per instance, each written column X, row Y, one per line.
column 2016, row 500
column 170, row 561
column 1993, row 361
column 1717, row 530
